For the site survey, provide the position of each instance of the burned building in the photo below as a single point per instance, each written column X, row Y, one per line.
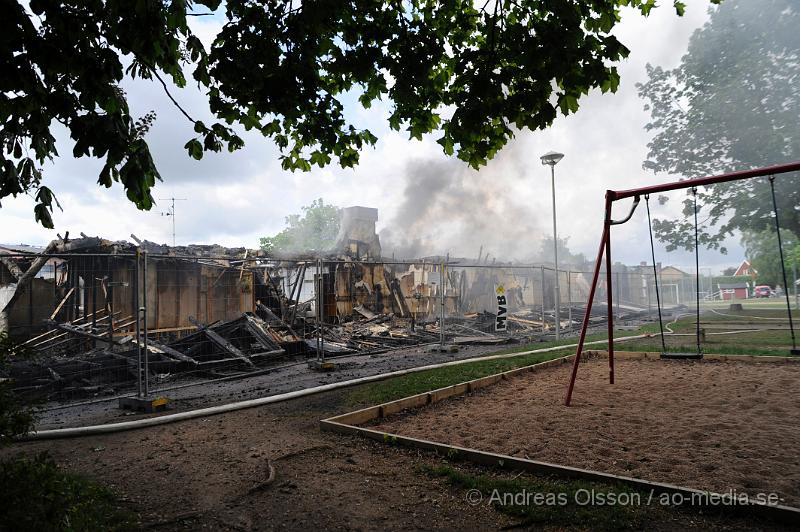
column 93, row 277
column 357, row 237
column 92, row 308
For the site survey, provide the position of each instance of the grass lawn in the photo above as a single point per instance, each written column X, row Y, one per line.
column 572, row 340
column 758, row 342
column 539, row 502
column 756, row 322
column 762, row 303
column 551, row 502
column 423, row 381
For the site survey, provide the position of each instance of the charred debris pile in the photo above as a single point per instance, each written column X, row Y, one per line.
column 90, row 309
column 84, row 308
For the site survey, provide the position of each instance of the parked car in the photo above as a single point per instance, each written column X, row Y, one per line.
column 762, row 291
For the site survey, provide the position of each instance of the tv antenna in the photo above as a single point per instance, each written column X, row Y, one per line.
column 171, row 212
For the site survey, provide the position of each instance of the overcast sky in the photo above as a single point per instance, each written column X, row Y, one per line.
column 428, row 203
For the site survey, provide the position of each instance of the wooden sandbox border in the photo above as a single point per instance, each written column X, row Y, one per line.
column 348, row 424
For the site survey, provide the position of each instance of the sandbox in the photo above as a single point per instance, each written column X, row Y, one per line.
column 727, row 425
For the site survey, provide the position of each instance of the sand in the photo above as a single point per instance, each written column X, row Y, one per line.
column 719, row 426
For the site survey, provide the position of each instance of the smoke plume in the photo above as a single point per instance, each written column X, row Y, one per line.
column 450, row 208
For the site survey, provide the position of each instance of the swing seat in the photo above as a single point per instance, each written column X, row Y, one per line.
column 681, row 356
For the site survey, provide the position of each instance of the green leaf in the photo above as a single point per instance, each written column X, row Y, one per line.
column 105, row 176
column 568, row 104
column 293, row 75
column 195, row 149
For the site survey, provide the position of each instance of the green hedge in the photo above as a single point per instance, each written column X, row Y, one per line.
column 35, row 494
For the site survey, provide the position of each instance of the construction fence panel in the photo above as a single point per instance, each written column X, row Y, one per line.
column 95, row 324
column 202, row 318
column 74, row 317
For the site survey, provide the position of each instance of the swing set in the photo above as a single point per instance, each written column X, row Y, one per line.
column 605, row 251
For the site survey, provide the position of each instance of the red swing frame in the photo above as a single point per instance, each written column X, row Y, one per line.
column 605, row 247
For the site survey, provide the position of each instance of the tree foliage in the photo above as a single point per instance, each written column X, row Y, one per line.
column 731, row 104
column 286, row 68
column 36, row 494
column 762, row 248
column 565, row 255
column 312, row 232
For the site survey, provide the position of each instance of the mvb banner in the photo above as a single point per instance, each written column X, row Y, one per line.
column 500, row 323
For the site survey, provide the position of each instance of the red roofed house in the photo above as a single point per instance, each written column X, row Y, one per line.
column 745, row 268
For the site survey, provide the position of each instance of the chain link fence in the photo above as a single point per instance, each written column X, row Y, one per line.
column 101, row 323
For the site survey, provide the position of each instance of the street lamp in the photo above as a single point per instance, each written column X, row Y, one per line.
column 551, row 159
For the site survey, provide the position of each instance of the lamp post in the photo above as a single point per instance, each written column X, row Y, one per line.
column 551, row 159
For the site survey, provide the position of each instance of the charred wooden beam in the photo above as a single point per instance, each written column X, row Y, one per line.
column 12, row 267
column 161, row 349
column 80, row 332
column 221, row 342
column 46, row 343
column 257, row 329
column 228, row 347
column 58, row 308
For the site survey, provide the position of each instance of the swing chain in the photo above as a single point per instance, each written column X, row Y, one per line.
column 655, row 274
column 697, row 273
column 794, row 350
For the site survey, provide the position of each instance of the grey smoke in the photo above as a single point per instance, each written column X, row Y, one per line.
column 450, row 208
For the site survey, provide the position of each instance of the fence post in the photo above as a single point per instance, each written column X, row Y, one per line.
column 110, row 303
column 543, row 291
column 94, row 300
column 441, row 319
column 137, row 310
column 569, row 297
column 144, row 339
column 318, row 309
column 322, row 309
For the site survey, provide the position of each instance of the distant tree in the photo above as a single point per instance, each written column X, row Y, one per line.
column 762, row 248
column 313, row 231
column 729, row 272
column 732, row 103
column 286, row 69
column 565, row 256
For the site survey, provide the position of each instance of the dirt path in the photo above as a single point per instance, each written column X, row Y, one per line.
column 211, row 471
column 708, row 425
column 210, row 474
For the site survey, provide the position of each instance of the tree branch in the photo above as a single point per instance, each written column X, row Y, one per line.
column 169, row 95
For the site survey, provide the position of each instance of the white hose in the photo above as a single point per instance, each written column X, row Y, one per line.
column 740, row 316
column 250, row 403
